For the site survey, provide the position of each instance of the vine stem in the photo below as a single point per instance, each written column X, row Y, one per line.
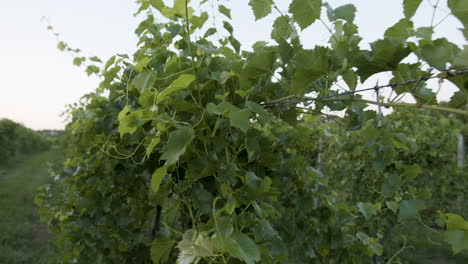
column 189, row 42
column 398, row 252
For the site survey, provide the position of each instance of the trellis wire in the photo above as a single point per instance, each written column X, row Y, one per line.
column 375, row 88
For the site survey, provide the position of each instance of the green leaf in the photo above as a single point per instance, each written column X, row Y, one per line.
column 385, row 55
column 393, row 206
column 261, row 8
column 346, row 12
column 460, row 10
column 438, row 52
column 258, row 66
column 62, row 46
column 154, row 142
column 219, row 109
column 95, row 59
column 157, row 177
column 351, row 79
column 141, row 64
column 123, row 112
column 410, row 208
column 461, row 60
column 92, row 69
column 424, row 33
column 201, row 198
column 225, row 11
column 228, row 27
column 454, row 221
column 458, row 239
column 410, row 7
column 240, row 118
column 311, row 65
column 281, row 28
column 368, row 209
column 143, row 80
column 235, row 43
column 78, row 60
column 262, row 114
column 317, row 176
column 305, row 12
column 242, row 247
column 193, row 246
column 410, row 172
column 209, row 32
column 224, row 226
column 160, row 250
column 252, row 146
column 177, row 11
column 402, row 30
column 407, row 72
column 392, row 181
column 130, row 123
column 158, row 4
column 177, row 144
column 458, row 99
column 182, row 82
column 197, row 21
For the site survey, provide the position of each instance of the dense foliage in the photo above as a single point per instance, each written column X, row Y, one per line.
column 16, row 139
column 195, row 151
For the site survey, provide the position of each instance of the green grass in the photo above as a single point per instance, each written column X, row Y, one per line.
column 22, row 238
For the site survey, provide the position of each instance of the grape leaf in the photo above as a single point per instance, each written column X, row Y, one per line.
column 157, row 177
column 385, row 55
column 160, row 250
column 368, row 209
column 438, row 52
column 402, row 30
column 261, row 8
column 346, row 12
column 240, row 118
column 460, row 10
column 143, row 80
column 458, row 99
column 410, row 208
column 225, row 11
column 410, row 7
column 281, row 28
column 305, row 12
column 242, row 247
column 458, row 239
column 182, row 82
column 176, row 144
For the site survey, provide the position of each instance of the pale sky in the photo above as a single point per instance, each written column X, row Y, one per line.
column 37, row 81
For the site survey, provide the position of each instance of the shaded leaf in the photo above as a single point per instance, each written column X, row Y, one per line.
column 410, row 208
column 160, row 249
column 240, row 118
column 385, row 55
column 368, row 209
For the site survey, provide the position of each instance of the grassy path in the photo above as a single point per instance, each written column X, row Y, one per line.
column 22, row 238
